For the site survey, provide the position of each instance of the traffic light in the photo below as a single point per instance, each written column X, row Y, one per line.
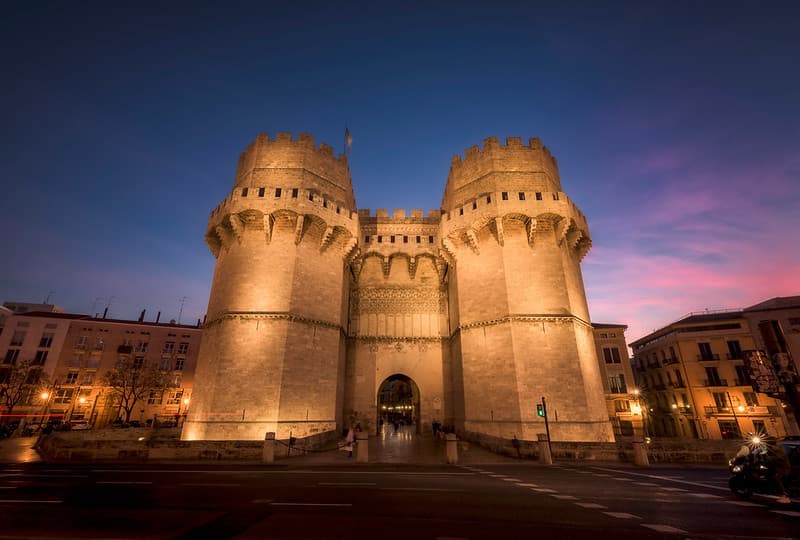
column 539, row 409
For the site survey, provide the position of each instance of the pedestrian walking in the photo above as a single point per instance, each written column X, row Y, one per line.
column 349, row 440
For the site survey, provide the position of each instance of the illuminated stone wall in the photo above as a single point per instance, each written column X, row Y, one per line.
column 313, row 306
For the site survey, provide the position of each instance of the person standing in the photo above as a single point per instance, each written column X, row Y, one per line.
column 348, row 442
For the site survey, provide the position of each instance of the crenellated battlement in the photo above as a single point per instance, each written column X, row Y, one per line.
column 493, row 167
column 276, row 160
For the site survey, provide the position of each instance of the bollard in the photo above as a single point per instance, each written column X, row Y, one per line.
column 640, row 454
column 452, row 448
column 362, row 447
column 545, row 456
column 268, row 451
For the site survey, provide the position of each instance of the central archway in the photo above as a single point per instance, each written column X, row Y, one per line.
column 398, row 402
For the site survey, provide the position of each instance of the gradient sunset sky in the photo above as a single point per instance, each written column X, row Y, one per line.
column 676, row 126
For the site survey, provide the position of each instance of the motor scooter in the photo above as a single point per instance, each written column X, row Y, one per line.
column 751, row 472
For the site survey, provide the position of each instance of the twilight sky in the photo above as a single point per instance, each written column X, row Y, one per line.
column 676, row 126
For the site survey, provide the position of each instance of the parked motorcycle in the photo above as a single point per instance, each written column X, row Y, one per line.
column 752, row 471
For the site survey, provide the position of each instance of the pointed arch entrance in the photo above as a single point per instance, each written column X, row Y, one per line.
column 398, row 400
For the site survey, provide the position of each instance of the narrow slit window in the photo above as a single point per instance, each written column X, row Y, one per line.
column 418, row 239
column 555, row 196
column 522, row 195
column 278, row 192
column 488, row 199
column 461, row 211
column 294, row 193
column 261, row 191
column 366, row 239
column 244, row 192
column 430, row 239
column 504, row 195
column 380, row 239
column 405, row 239
column 391, row 239
column 474, row 205
column 538, row 195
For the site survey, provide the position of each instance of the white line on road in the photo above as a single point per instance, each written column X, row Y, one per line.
column 591, row 505
column 31, row 501
column 543, row 490
column 664, row 528
column 208, row 484
column 419, row 489
column 602, row 475
column 621, row 515
column 646, row 484
column 668, row 478
column 786, row 513
column 743, row 503
column 511, row 480
column 346, row 484
column 528, row 485
column 565, row 497
column 310, row 504
column 262, row 471
column 704, row 495
column 673, row 489
column 122, row 482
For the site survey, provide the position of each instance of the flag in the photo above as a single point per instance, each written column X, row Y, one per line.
column 348, row 140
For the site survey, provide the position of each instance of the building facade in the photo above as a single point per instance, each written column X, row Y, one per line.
column 618, row 381
column 316, row 306
column 694, row 382
column 75, row 352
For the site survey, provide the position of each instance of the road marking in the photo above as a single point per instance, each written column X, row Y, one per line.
column 565, row 497
column 310, row 504
column 601, row 475
column 647, row 484
column 673, row 489
column 591, row 505
column 669, row 478
column 786, row 513
column 511, row 480
column 664, row 528
column 744, row 503
column 420, row 489
column 207, row 484
column 346, row 484
column 621, row 515
column 622, row 479
column 704, row 495
column 123, row 482
column 498, row 476
column 31, row 501
column 267, row 472
column 543, row 490
column 528, row 485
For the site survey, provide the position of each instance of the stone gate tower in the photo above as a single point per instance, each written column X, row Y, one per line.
column 272, row 354
column 479, row 305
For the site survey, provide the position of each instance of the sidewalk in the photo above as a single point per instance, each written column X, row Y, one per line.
column 18, row 450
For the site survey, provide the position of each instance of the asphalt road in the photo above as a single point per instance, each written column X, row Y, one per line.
column 380, row 501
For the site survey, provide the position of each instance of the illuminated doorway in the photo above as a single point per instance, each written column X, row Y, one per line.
column 398, row 404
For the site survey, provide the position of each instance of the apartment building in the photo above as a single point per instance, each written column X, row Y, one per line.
column 693, row 381
column 617, row 375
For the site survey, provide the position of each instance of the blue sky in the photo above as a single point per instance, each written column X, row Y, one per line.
column 676, row 126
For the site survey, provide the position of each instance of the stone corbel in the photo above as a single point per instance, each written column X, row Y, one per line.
column 562, row 230
column 298, row 229
column 237, row 227
column 531, row 225
column 269, row 222
column 350, row 251
column 224, row 235
column 356, row 266
column 327, row 238
column 498, row 224
column 213, row 242
column 449, row 248
column 472, row 241
column 441, row 267
column 412, row 267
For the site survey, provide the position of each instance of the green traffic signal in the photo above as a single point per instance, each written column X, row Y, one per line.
column 539, row 409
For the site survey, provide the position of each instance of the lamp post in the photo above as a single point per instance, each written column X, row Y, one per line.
column 639, row 444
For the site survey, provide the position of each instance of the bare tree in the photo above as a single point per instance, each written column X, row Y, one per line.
column 131, row 381
column 18, row 382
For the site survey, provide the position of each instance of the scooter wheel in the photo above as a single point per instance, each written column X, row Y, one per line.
column 740, row 488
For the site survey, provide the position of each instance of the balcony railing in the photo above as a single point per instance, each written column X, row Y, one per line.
column 715, row 382
column 672, row 360
column 619, row 389
column 754, row 410
column 678, row 384
column 125, row 349
column 707, row 357
column 733, row 356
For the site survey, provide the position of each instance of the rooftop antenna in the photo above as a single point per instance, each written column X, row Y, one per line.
column 94, row 306
column 108, row 305
column 182, row 300
column 47, row 300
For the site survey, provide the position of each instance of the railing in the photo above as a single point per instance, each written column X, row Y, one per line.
column 734, row 356
column 125, row 349
column 755, row 410
column 678, row 384
column 707, row 357
column 715, row 382
column 619, row 389
column 672, row 360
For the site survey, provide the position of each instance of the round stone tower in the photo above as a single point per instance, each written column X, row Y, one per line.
column 519, row 319
column 273, row 350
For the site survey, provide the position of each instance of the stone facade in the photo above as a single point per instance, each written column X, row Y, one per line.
column 316, row 305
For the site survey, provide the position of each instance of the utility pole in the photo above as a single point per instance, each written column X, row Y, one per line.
column 182, row 300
